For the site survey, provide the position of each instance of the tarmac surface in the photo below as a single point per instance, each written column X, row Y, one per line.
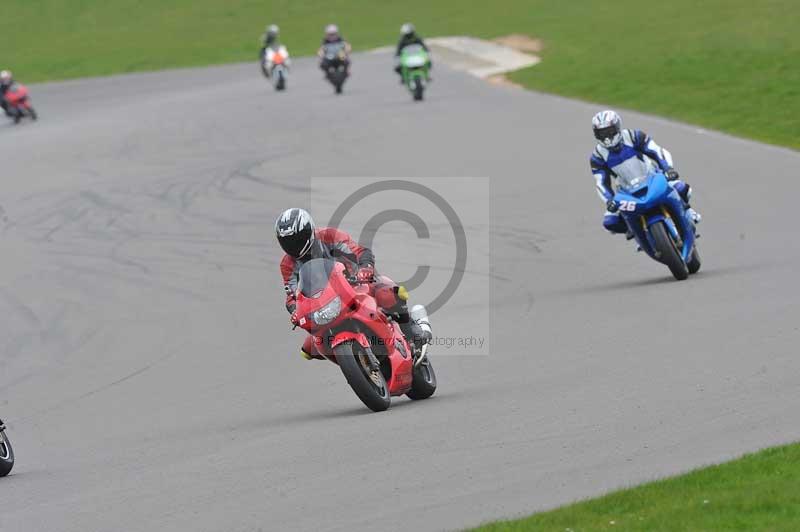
column 150, row 381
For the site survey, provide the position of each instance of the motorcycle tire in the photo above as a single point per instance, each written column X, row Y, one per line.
column 34, row 116
column 424, row 383
column 667, row 252
column 694, row 261
column 6, row 455
column 419, row 89
column 281, row 83
column 351, row 357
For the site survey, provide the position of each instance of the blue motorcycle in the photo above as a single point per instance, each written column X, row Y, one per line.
column 656, row 216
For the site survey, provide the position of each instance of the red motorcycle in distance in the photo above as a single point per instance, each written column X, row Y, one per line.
column 17, row 103
column 351, row 330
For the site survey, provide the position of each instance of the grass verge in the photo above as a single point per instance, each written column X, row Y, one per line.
column 759, row 491
column 726, row 64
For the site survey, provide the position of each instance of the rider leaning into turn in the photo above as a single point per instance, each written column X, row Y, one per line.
column 332, row 36
column 6, row 82
column 302, row 242
column 628, row 152
column 408, row 36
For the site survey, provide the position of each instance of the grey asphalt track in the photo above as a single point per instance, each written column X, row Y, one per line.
column 150, row 381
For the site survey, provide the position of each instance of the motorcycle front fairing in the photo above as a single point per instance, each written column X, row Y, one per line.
column 277, row 57
column 652, row 201
column 413, row 57
column 358, row 319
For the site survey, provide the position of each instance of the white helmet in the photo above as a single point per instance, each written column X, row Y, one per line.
column 407, row 29
column 6, row 77
column 273, row 29
column 607, row 127
column 331, row 30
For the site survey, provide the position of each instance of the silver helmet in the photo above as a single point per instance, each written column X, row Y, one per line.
column 607, row 127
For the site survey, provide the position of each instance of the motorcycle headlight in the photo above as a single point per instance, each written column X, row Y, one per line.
column 328, row 313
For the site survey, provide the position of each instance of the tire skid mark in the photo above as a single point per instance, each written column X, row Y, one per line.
column 100, row 389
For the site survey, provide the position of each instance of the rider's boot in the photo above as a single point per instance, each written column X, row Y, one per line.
column 309, row 351
column 685, row 192
column 412, row 330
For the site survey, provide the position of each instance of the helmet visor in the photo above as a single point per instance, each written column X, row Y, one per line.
column 296, row 244
column 606, row 132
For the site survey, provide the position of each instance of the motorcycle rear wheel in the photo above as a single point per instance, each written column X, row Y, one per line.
column 694, row 261
column 370, row 386
column 424, row 383
column 6, row 455
column 668, row 252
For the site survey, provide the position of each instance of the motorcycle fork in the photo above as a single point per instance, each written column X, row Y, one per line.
column 672, row 226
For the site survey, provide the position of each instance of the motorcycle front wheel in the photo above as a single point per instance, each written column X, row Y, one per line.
column 6, row 454
column 280, row 83
column 418, row 90
column 668, row 252
column 368, row 384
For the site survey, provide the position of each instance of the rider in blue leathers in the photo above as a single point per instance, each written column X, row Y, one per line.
column 628, row 152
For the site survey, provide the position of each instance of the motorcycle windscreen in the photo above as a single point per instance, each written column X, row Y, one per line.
column 414, row 56
column 314, row 275
column 333, row 50
column 634, row 173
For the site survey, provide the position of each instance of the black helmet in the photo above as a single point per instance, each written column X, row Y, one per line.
column 295, row 232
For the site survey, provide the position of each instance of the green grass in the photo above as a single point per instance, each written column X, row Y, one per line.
column 732, row 65
column 760, row 491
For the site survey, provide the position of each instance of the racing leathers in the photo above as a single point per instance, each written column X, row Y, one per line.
column 407, row 40
column 333, row 243
column 345, row 46
column 636, row 155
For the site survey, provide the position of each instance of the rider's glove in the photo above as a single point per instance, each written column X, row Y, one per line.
column 366, row 274
column 671, row 174
column 612, row 206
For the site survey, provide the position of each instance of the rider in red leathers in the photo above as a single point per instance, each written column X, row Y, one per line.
column 302, row 242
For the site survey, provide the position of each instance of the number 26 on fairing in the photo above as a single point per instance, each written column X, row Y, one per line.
column 627, row 205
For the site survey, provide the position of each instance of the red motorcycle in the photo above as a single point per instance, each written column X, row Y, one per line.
column 18, row 103
column 350, row 329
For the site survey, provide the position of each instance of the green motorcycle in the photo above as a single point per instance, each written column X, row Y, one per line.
column 414, row 65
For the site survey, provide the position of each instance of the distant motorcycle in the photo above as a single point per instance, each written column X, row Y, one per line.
column 414, row 65
column 657, row 218
column 335, row 63
column 17, row 103
column 275, row 65
column 6, row 452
